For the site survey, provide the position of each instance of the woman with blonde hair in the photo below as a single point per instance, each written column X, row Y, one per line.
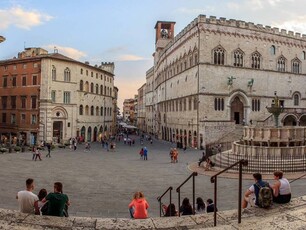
column 138, row 206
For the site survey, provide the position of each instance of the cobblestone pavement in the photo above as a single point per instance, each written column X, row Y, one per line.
column 101, row 183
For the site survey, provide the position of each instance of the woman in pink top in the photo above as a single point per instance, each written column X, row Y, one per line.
column 138, row 207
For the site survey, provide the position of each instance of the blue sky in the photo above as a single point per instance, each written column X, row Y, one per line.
column 122, row 31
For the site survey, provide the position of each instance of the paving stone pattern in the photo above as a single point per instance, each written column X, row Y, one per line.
column 101, row 183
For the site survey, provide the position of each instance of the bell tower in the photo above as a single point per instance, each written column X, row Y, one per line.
column 164, row 34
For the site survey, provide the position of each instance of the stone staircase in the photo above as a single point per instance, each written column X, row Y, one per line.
column 267, row 165
column 232, row 136
column 288, row 216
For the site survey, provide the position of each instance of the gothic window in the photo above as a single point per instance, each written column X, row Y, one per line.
column 304, row 55
column 67, row 75
column 191, row 61
column 91, row 110
column 97, row 111
column 53, row 96
column 81, row 110
column 81, row 85
column 238, row 58
column 296, row 99
column 97, row 89
column 219, row 55
column 195, row 103
column 81, row 71
column 255, row 105
column 281, row 64
column 296, row 65
column 272, row 50
column 86, row 110
column 101, row 111
column 256, row 60
column 91, row 87
column 101, row 89
column 67, row 97
column 53, row 73
column 219, row 104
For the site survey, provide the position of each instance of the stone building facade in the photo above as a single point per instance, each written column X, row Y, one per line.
column 141, row 113
column 218, row 73
column 52, row 97
column 129, row 110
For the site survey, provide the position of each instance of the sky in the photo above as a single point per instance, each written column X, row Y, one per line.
column 122, row 31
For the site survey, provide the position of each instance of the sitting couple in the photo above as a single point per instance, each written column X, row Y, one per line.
column 261, row 194
column 53, row 204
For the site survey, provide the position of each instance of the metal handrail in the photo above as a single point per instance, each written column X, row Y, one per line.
column 160, row 197
column 213, row 179
column 178, row 190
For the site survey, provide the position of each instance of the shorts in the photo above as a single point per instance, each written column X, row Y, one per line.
column 251, row 199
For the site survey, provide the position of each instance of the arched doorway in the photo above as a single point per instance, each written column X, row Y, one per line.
column 57, row 131
column 237, row 113
column 83, row 131
column 89, row 134
column 95, row 134
column 303, row 120
column 290, row 120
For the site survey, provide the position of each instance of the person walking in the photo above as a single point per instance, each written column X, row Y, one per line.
column 145, row 154
column 37, row 154
column 26, row 198
column 49, row 150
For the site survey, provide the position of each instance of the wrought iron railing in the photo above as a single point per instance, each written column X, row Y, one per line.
column 213, row 179
column 178, row 190
column 160, row 198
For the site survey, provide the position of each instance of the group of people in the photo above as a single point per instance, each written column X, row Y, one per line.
column 174, row 155
column 143, row 153
column 208, row 164
column 37, row 154
column 262, row 194
column 53, row 204
column 138, row 207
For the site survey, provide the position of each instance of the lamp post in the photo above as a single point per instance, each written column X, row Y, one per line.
column 276, row 109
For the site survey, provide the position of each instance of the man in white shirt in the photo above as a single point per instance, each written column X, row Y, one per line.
column 27, row 198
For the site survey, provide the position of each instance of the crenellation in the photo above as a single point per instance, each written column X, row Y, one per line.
column 275, row 30
column 232, row 22
column 304, row 36
column 298, row 35
column 291, row 33
column 202, row 18
column 241, row 24
column 259, row 26
column 213, row 19
column 283, row 32
column 251, row 25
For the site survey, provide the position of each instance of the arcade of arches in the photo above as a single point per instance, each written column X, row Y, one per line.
column 185, row 138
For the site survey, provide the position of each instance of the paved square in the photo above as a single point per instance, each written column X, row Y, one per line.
column 101, row 183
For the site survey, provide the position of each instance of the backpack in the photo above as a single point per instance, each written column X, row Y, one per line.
column 265, row 197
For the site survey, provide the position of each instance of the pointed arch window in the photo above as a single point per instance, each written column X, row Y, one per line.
column 81, row 85
column 304, row 55
column 67, row 75
column 296, row 64
column 281, row 64
column 256, row 62
column 296, row 99
column 53, row 73
column 97, row 89
column 238, row 58
column 91, row 87
column 272, row 50
column 219, row 54
column 92, row 110
column 81, row 110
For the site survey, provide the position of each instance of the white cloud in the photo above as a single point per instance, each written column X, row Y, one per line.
column 130, row 57
column 67, row 51
column 21, row 18
column 297, row 25
column 195, row 11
